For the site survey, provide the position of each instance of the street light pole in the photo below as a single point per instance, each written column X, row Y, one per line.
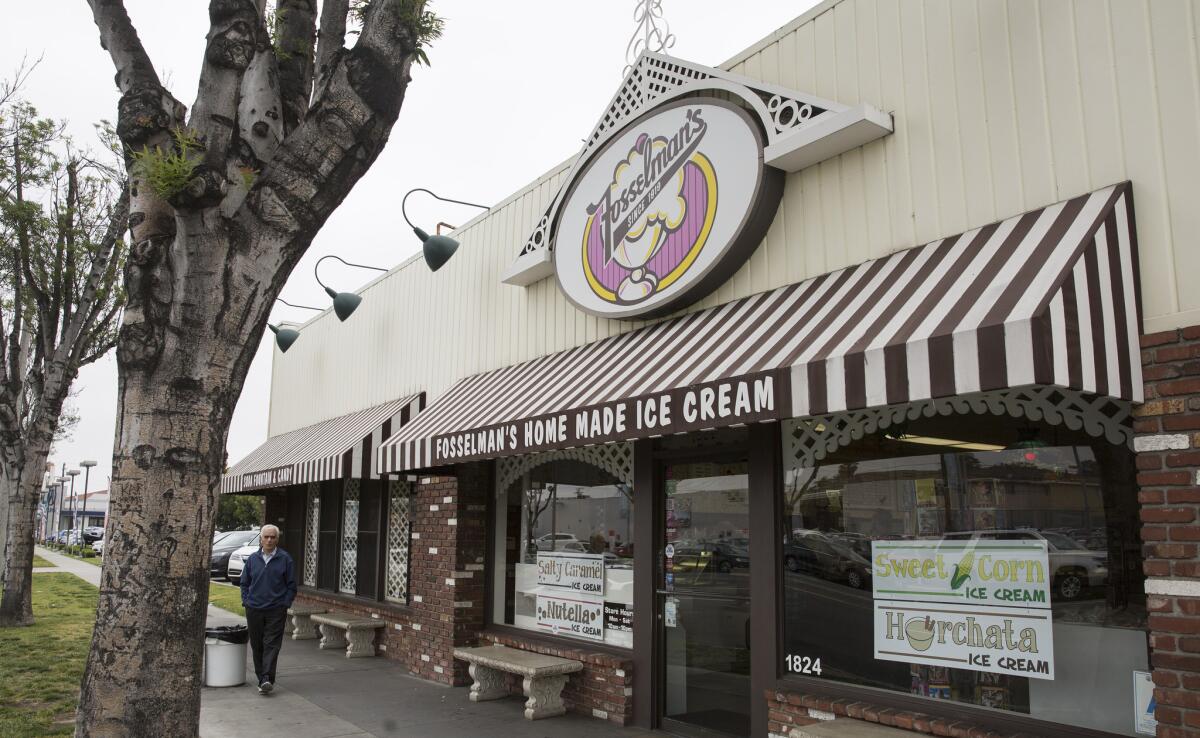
column 87, row 472
column 74, row 517
column 62, row 486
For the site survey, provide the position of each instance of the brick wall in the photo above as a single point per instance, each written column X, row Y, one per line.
column 603, row 689
column 789, row 710
column 446, row 578
column 1168, row 461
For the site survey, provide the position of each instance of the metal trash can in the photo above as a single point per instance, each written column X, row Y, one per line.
column 225, row 655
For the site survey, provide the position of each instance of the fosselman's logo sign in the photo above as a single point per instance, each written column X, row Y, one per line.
column 666, row 212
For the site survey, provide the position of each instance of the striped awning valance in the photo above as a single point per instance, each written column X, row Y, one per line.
column 344, row 446
column 1048, row 297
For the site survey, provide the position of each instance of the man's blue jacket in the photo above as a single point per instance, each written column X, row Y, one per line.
column 268, row 584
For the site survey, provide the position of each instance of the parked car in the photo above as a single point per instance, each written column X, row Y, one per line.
column 812, row 552
column 237, row 559
column 1074, row 568
column 709, row 556
column 222, row 549
column 98, row 547
column 555, row 541
column 93, row 533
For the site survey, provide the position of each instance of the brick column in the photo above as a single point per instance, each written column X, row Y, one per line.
column 1168, row 461
column 449, row 539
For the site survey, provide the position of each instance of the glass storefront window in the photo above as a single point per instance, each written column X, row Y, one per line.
column 981, row 560
column 564, row 530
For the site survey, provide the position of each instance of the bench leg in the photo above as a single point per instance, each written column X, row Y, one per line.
column 362, row 643
column 332, row 637
column 303, row 628
column 545, row 696
column 488, row 684
column 289, row 625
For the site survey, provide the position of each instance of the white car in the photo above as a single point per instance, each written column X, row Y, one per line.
column 556, row 541
column 237, row 561
column 98, row 547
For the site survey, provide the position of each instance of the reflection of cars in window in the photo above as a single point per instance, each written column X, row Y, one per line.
column 556, row 541
column 709, row 556
column 1075, row 568
column 816, row 553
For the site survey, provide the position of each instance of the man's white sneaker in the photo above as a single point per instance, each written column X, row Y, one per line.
column 265, row 687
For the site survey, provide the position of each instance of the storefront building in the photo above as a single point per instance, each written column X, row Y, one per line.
column 841, row 382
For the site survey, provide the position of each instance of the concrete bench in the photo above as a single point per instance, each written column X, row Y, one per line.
column 299, row 622
column 351, row 632
column 545, row 677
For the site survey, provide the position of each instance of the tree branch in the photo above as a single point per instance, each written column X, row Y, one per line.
column 330, row 40
column 119, row 38
column 295, row 32
column 313, row 170
column 236, row 33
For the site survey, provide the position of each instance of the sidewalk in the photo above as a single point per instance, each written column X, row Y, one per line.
column 90, row 573
column 322, row 694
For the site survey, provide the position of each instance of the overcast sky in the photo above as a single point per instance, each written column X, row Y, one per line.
column 513, row 89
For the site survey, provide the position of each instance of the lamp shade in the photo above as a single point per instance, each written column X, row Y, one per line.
column 344, row 303
column 284, row 337
column 438, row 249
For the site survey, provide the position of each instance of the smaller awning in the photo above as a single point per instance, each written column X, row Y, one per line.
column 1049, row 297
column 344, row 446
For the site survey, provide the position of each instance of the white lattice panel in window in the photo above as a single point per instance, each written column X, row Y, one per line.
column 809, row 440
column 349, row 570
column 614, row 458
column 399, row 534
column 312, row 533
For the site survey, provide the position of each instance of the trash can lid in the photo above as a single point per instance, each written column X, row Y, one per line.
column 228, row 633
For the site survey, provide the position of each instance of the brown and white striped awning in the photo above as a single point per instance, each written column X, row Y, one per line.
column 344, row 446
column 1049, row 297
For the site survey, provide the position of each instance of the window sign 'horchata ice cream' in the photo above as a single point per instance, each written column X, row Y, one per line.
column 982, row 605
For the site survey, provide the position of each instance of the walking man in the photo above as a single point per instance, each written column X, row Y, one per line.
column 268, row 588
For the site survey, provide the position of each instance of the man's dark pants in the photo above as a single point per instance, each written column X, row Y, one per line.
column 266, row 637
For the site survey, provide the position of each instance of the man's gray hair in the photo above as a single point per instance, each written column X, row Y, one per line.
column 267, row 527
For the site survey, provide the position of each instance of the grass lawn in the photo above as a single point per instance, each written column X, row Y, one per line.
column 41, row 666
column 39, row 561
column 226, row 597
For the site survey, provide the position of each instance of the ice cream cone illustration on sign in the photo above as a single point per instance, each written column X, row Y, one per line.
column 654, row 217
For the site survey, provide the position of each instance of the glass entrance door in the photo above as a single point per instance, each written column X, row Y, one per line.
column 704, row 598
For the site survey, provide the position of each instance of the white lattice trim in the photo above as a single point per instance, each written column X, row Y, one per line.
column 656, row 78
column 348, row 576
column 809, row 440
column 312, row 533
column 399, row 534
column 614, row 458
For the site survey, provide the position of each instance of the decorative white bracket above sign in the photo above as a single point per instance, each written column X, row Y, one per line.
column 798, row 130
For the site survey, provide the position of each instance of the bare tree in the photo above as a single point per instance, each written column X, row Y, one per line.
column 225, row 200
column 61, row 218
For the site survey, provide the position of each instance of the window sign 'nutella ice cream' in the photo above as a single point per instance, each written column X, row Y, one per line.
column 972, row 604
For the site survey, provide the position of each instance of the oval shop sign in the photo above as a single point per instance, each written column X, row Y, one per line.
column 666, row 212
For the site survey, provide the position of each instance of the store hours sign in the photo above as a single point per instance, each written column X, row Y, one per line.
column 666, row 212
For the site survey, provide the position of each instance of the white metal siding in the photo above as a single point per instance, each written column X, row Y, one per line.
column 1000, row 107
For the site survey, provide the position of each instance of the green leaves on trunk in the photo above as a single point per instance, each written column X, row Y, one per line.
column 168, row 172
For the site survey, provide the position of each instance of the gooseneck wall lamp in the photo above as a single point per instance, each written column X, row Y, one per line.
column 344, row 303
column 437, row 248
column 285, row 337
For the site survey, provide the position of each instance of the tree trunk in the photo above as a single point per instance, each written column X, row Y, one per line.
column 176, row 403
column 8, row 489
column 16, row 604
